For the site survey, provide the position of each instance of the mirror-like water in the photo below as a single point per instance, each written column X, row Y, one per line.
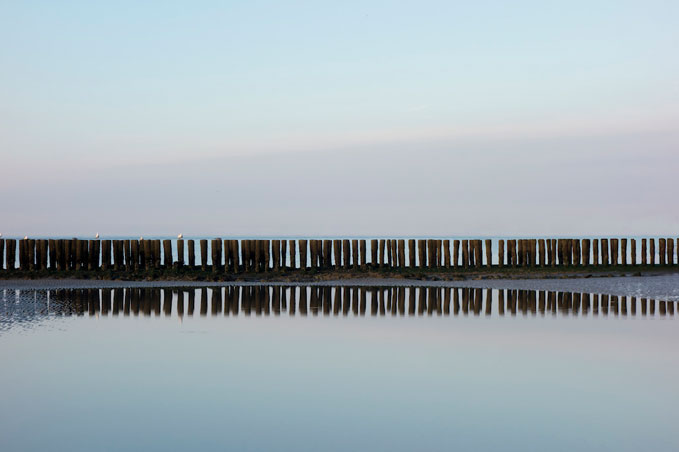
column 336, row 368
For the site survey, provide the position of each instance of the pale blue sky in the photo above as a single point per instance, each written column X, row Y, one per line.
column 93, row 93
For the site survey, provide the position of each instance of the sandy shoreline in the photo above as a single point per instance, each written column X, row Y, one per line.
column 661, row 286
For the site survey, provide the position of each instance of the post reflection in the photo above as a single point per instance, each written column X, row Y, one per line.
column 327, row 301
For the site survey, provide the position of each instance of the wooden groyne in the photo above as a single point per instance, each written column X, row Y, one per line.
column 258, row 255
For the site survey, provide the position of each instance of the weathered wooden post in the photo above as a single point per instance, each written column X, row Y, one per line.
column 644, row 252
column 2, row 254
column 402, row 253
column 392, row 251
column 381, row 253
column 203, row 254
column 604, row 252
column 541, row 252
column 633, row 251
column 623, row 251
column 354, row 254
column 520, row 253
column 456, row 253
column 446, row 253
column 276, row 253
column 478, row 253
column 595, row 252
column 156, row 254
column 661, row 250
column 489, row 254
column 302, row 254
column 327, row 253
column 346, row 254
column 651, row 243
column 105, row 254
column 284, row 254
column 670, row 252
column 180, row 253
column 373, row 252
column 613, row 251
column 266, row 254
column 293, row 254
column 191, row 250
column 134, row 253
column 412, row 256
column 167, row 253
column 228, row 263
column 363, row 259
column 586, row 244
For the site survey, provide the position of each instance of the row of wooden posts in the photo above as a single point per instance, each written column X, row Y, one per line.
column 266, row 255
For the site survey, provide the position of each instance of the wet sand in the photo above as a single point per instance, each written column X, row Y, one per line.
column 663, row 286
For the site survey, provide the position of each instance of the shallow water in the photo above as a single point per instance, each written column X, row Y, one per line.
column 324, row 368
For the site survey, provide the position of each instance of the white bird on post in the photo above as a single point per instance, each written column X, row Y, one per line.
column 180, row 236
column 96, row 236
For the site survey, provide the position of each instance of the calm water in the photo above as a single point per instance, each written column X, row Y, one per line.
column 326, row 368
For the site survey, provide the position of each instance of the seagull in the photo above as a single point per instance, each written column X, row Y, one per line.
column 25, row 237
column 180, row 236
column 141, row 238
column 96, row 236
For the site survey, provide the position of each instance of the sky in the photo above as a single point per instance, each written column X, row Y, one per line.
column 339, row 118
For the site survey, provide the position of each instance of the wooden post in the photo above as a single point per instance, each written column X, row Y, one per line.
column 456, row 253
column 77, row 248
column 156, row 253
column 167, row 253
column 446, row 253
column 478, row 259
column 421, row 253
column 577, row 253
column 633, row 250
column 327, row 253
column 604, row 252
column 203, row 254
column 489, row 254
column 465, row 253
column 276, row 253
column 373, row 252
column 346, row 254
column 105, row 254
column 302, row 254
column 313, row 248
column 363, row 256
column 614, row 251
column 670, row 252
column 586, row 244
column 284, row 254
column 623, row 251
column 191, row 250
column 337, row 248
column 662, row 245
column 644, row 252
column 180, row 253
column 354, row 254
column 541, row 252
column 134, row 252
column 266, row 255
column 2, row 254
column 651, row 249
column 501, row 253
column 595, row 252
column 380, row 257
column 293, row 254
column 402, row 253
column 235, row 253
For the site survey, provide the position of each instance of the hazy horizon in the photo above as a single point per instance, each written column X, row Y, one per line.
column 360, row 118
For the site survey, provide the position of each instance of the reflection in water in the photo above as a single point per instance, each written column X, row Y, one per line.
column 258, row 300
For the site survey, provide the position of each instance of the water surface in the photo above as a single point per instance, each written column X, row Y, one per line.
column 336, row 368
